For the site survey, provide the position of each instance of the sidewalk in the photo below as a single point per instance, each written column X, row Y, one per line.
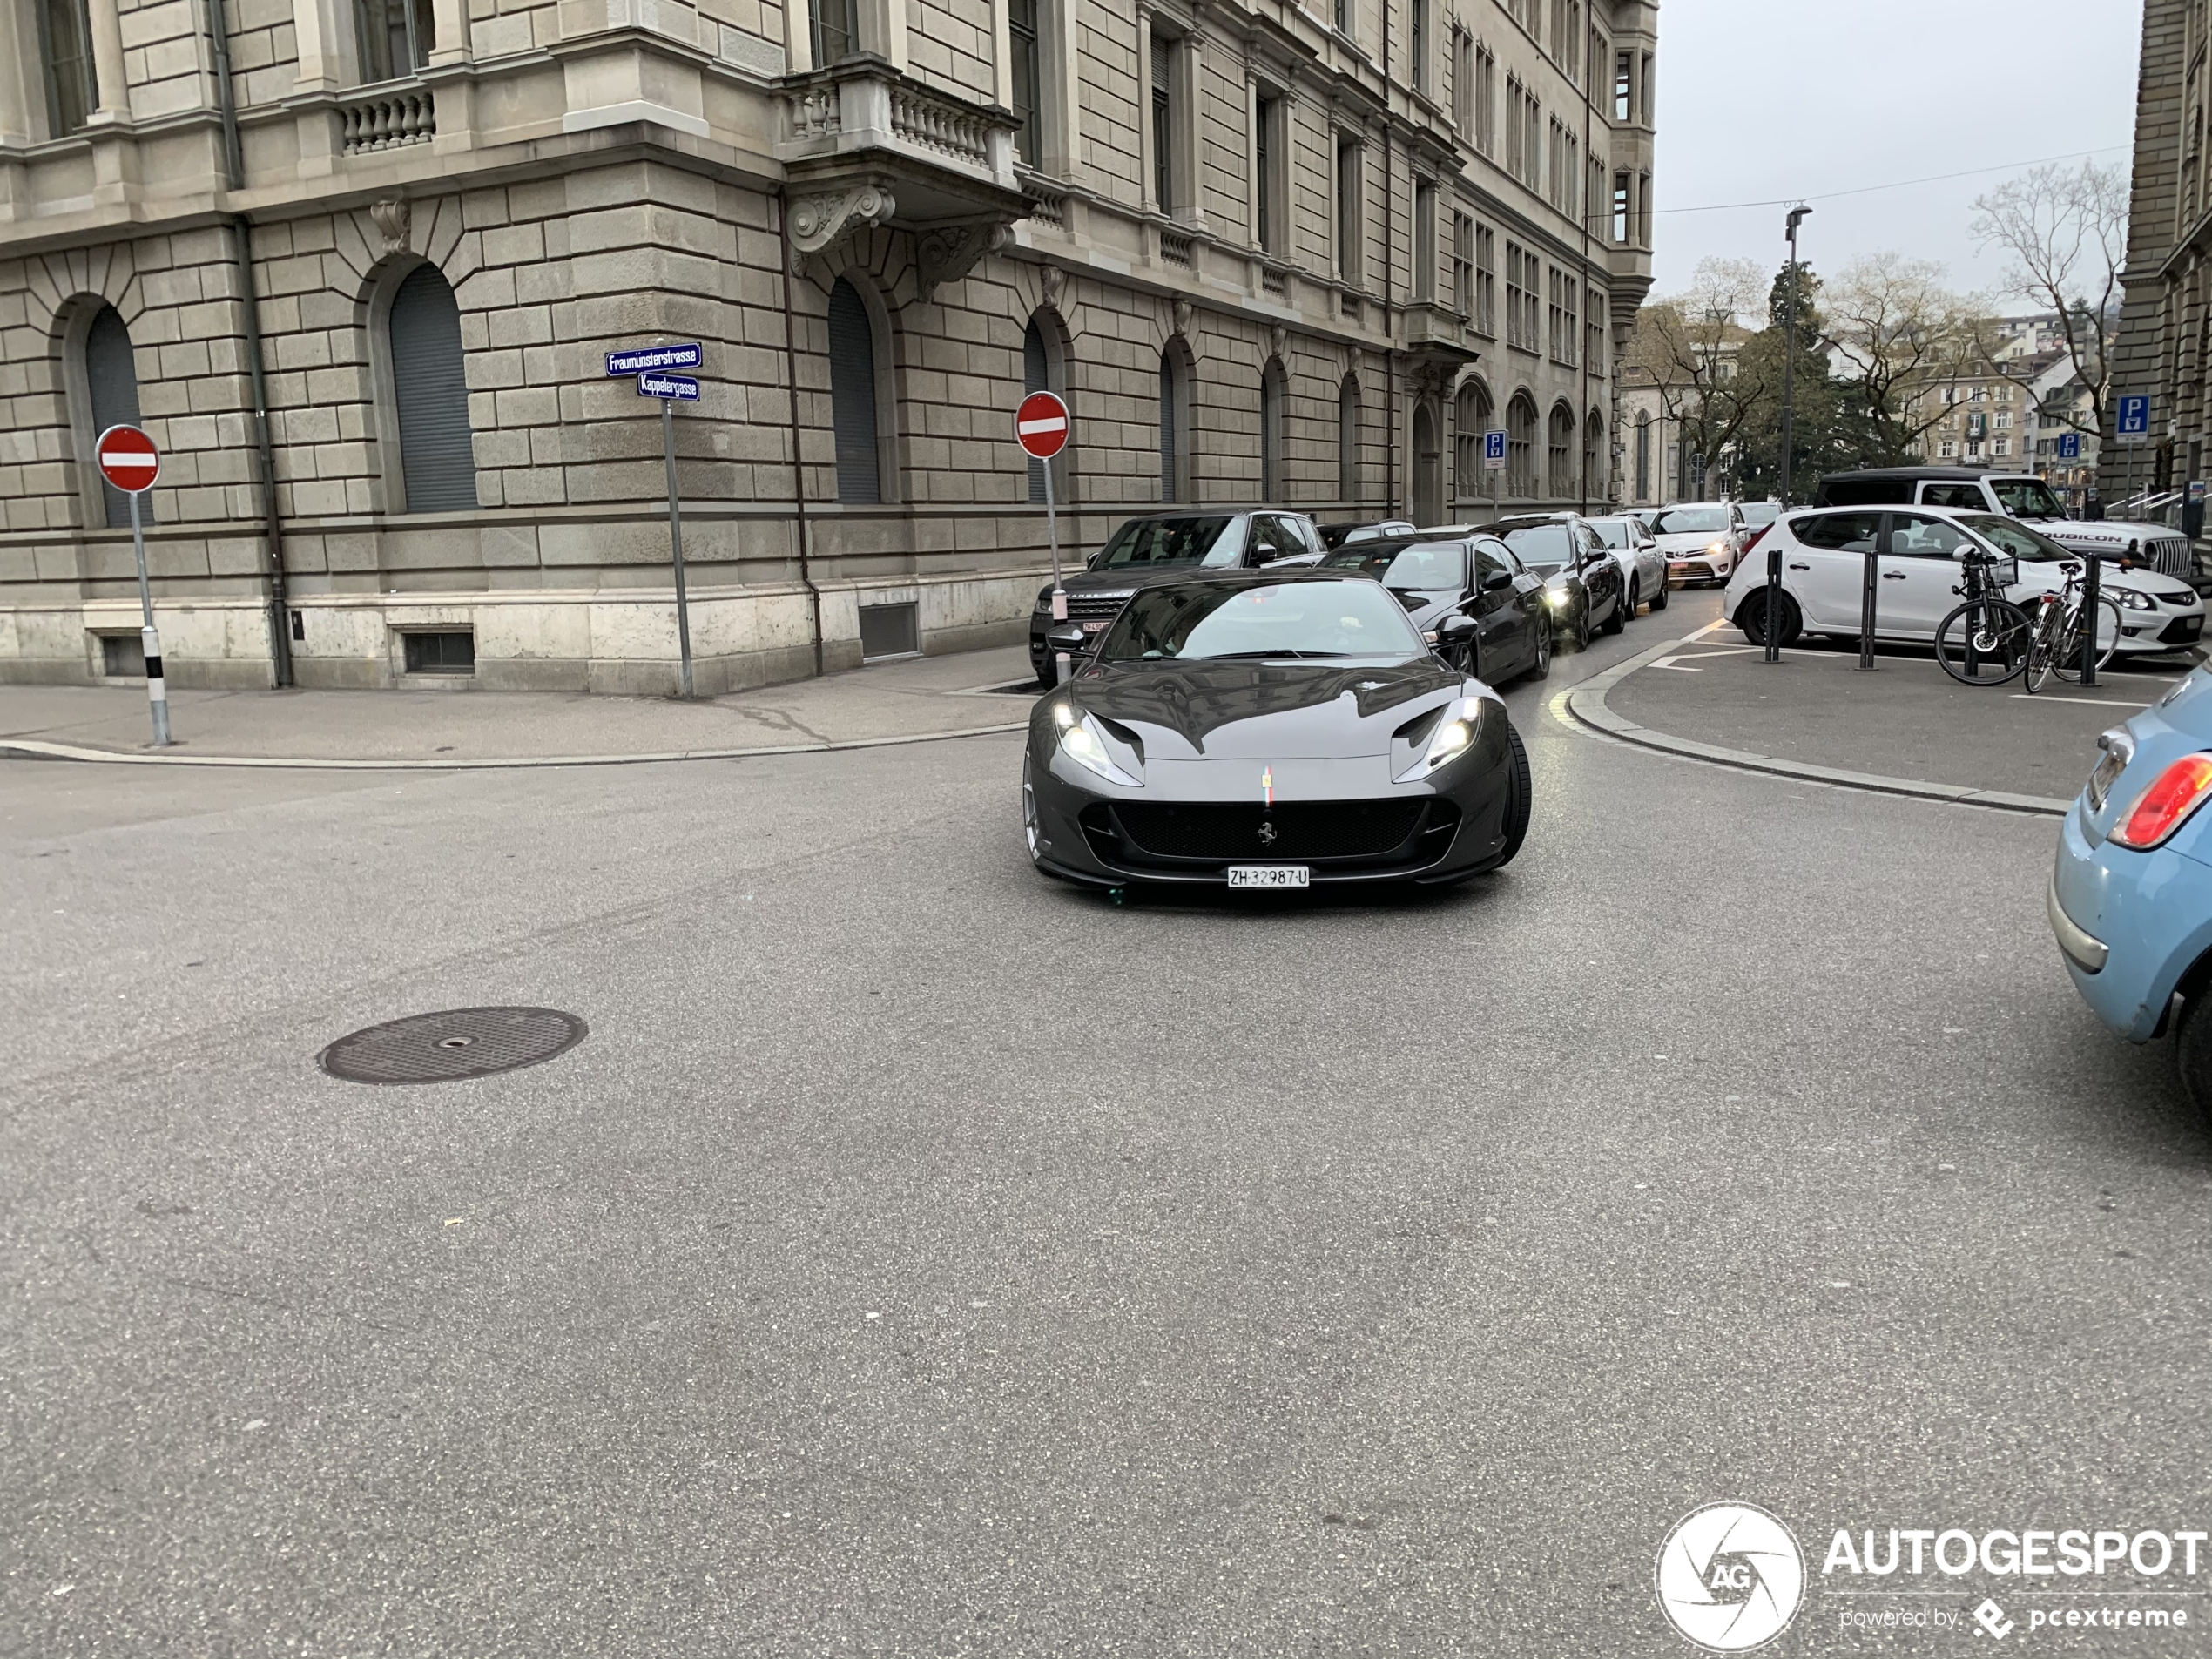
column 1905, row 721
column 929, row 697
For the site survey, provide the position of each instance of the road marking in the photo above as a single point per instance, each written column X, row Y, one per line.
column 2093, row 702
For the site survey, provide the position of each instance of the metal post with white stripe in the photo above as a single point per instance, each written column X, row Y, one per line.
column 128, row 460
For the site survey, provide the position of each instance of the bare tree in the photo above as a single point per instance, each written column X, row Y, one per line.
column 1689, row 343
column 2066, row 230
column 1892, row 331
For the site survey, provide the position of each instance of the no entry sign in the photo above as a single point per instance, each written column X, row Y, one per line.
column 1041, row 425
column 128, row 459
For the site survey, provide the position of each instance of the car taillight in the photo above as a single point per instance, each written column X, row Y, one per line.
column 2165, row 806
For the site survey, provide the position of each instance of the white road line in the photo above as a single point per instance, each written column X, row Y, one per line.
column 2093, row 702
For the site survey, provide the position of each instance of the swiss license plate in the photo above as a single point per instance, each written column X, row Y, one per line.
column 1096, row 626
column 1269, row 875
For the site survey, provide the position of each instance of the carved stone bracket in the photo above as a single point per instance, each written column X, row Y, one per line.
column 820, row 222
column 950, row 252
column 393, row 220
column 1179, row 313
column 1278, row 340
column 1052, row 285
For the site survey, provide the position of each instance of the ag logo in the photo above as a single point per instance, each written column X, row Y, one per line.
column 1730, row 1577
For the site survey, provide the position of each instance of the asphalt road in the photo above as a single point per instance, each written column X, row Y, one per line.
column 921, row 1258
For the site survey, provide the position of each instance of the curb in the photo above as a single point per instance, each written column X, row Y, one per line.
column 39, row 749
column 1586, row 702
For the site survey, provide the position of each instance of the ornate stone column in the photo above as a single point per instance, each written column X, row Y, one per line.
column 108, row 67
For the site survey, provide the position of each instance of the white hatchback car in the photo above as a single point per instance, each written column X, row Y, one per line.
column 1702, row 539
column 1643, row 567
column 1916, row 550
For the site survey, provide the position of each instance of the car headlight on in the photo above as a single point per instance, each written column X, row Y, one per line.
column 1083, row 741
column 1556, row 596
column 2131, row 599
column 1716, row 547
column 1454, row 735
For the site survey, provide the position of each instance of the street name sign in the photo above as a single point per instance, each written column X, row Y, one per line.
column 638, row 359
column 682, row 388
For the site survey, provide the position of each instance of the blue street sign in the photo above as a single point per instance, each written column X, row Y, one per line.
column 2135, row 416
column 1494, row 449
column 682, row 388
column 2069, row 446
column 638, row 359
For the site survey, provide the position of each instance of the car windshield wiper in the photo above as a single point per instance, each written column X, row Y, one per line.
column 1252, row 655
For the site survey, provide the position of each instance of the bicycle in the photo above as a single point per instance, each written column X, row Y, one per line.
column 1986, row 641
column 2056, row 648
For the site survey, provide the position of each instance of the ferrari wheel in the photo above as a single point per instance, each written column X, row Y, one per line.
column 1030, row 827
column 1519, row 799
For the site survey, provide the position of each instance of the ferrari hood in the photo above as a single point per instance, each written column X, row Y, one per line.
column 1279, row 710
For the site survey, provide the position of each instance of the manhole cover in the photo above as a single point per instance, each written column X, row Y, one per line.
column 457, row 1043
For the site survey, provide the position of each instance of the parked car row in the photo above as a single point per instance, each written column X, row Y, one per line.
column 1492, row 598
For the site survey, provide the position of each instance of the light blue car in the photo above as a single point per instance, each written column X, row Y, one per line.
column 2131, row 893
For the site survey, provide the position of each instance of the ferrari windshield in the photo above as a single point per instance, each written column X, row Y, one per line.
column 1437, row 568
column 2026, row 498
column 1150, row 542
column 1221, row 620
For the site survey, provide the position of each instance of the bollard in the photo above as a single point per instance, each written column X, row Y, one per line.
column 1773, row 605
column 1866, row 613
column 2090, row 606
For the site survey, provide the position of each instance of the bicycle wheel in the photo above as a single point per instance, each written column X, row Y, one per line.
column 2065, row 658
column 1983, row 642
column 2043, row 649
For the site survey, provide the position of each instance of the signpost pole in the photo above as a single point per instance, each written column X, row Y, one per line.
column 676, row 539
column 157, row 691
column 1059, row 593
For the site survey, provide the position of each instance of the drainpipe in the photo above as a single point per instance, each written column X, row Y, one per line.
column 250, row 303
column 797, row 466
column 1390, row 267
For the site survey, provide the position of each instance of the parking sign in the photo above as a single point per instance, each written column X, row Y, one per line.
column 2069, row 446
column 1494, row 450
column 2134, row 422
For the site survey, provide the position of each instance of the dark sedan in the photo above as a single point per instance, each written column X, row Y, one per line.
column 1472, row 599
column 1587, row 593
column 1251, row 730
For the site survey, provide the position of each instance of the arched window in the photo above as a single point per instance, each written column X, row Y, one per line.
column 1597, row 477
column 1271, row 380
column 1042, row 372
column 1521, row 446
column 855, row 398
column 1175, row 427
column 1560, row 471
column 1644, row 455
column 1428, row 468
column 1348, row 439
column 437, row 459
column 111, row 382
column 1470, row 420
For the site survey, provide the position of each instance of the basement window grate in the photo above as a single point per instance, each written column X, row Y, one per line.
column 890, row 630
column 123, row 656
column 442, row 653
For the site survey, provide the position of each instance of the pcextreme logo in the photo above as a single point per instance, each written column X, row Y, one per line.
column 1730, row 1577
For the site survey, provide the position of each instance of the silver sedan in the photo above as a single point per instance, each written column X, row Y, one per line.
column 1643, row 567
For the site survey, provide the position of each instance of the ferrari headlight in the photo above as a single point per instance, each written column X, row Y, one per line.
column 2133, row 600
column 1084, row 742
column 1454, row 735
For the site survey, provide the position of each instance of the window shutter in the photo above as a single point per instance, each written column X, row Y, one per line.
column 113, row 379
column 437, row 459
column 851, row 351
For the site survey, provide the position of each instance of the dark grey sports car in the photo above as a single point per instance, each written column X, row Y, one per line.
column 1270, row 730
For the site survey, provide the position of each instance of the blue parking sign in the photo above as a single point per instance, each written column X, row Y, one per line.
column 2069, row 446
column 2135, row 416
column 1494, row 449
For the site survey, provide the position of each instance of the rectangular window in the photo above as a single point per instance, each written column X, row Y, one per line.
column 1486, row 103
column 1532, row 121
column 1463, row 265
column 1644, row 460
column 1266, row 155
column 1424, row 240
column 73, row 91
column 1517, row 301
column 1162, row 126
column 1022, row 36
column 1462, row 80
column 1621, row 209
column 1486, row 280
column 1516, row 137
column 441, row 653
column 397, row 35
column 123, row 656
column 1417, row 46
column 890, row 630
column 1344, row 17
column 1594, row 331
column 1623, row 87
column 1349, row 211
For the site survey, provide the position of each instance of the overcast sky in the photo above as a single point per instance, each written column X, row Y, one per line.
column 1767, row 98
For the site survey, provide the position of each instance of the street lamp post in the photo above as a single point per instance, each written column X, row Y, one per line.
column 1790, row 344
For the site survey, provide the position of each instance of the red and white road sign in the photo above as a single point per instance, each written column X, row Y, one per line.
column 128, row 459
column 1041, row 425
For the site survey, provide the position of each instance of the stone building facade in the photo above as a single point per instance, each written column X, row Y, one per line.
column 1266, row 252
column 2167, row 283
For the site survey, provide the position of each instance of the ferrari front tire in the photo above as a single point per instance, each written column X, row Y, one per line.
column 1519, row 798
